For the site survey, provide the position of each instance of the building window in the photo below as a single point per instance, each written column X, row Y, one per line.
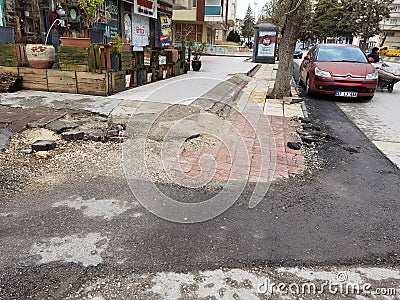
column 213, row 3
column 194, row 4
column 395, row 8
column 189, row 32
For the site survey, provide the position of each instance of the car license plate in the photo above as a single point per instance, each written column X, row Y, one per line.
column 346, row 94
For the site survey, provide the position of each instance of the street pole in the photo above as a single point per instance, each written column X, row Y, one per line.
column 255, row 10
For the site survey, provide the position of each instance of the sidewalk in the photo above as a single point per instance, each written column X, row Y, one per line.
column 250, row 144
column 254, row 148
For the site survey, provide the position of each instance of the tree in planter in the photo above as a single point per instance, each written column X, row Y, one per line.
column 116, row 52
column 197, row 49
column 184, row 47
column 90, row 9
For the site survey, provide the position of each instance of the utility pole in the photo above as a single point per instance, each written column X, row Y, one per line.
column 255, row 10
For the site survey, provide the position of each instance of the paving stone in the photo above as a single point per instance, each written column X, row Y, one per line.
column 17, row 119
column 292, row 100
column 99, row 136
column 113, row 132
column 117, row 139
column 60, row 126
column 293, row 110
column 73, row 135
column 36, row 125
column 43, row 145
column 5, row 136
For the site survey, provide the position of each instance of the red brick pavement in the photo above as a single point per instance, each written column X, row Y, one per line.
column 255, row 149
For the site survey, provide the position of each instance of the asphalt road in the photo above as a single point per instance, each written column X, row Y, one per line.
column 379, row 119
column 344, row 210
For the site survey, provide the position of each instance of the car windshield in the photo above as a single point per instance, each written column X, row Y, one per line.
column 341, row 54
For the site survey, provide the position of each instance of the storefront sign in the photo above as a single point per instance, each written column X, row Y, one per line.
column 146, row 8
column 127, row 27
column 162, row 60
column 140, row 31
column 164, row 8
column 147, row 58
column 266, row 43
column 113, row 25
column 165, row 31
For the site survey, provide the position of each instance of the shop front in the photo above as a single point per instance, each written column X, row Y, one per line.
column 164, row 28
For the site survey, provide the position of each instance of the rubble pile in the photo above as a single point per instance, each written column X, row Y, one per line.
column 44, row 154
column 9, row 82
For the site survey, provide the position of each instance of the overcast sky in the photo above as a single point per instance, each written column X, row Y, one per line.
column 243, row 4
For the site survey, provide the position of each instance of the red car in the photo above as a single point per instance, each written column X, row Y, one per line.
column 340, row 70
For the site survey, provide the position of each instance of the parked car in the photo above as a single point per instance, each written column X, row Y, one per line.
column 340, row 70
column 298, row 53
column 393, row 51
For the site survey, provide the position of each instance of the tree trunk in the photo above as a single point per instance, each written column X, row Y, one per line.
column 284, row 75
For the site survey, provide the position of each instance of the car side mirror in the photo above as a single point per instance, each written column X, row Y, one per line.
column 307, row 57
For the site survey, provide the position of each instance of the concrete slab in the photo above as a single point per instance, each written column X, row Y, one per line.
column 274, row 101
column 273, row 110
column 293, row 110
column 34, row 99
column 390, row 149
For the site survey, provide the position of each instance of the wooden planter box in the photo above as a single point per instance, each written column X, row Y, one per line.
column 93, row 84
column 73, row 58
column 103, row 84
column 61, row 81
column 8, row 55
column 33, row 79
column 126, row 61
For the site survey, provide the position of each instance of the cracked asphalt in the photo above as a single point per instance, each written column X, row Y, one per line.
column 78, row 232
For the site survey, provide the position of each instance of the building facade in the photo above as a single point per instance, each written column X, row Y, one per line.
column 200, row 20
column 391, row 26
column 139, row 22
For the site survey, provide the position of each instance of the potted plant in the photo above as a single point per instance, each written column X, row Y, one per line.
column 39, row 54
column 116, row 53
column 198, row 49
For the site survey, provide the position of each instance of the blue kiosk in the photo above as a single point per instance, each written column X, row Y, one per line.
column 265, row 43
